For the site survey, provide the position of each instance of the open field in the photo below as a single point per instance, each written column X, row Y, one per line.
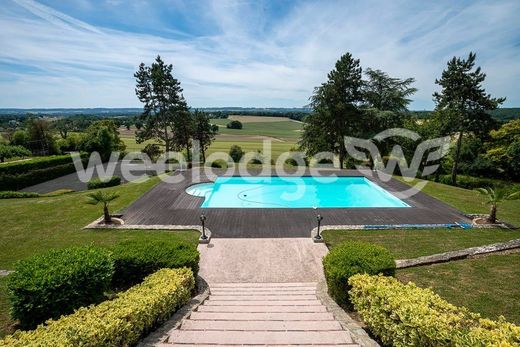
column 31, row 226
column 287, row 130
column 258, row 119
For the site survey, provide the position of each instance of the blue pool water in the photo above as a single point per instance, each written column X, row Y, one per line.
column 293, row 192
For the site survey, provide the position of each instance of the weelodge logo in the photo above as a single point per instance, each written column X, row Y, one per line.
column 435, row 148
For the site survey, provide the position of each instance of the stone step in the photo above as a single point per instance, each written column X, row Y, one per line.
column 262, row 285
column 266, row 297
column 263, row 289
column 216, row 302
column 263, row 292
column 260, row 338
column 268, row 345
column 259, row 309
column 261, row 325
column 270, row 316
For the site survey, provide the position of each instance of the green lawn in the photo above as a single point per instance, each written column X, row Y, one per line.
column 31, row 226
column 487, row 285
column 418, row 242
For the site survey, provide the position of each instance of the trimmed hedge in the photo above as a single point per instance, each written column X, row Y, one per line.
column 37, row 163
column 134, row 260
column 16, row 182
column 350, row 258
column 119, row 322
column 406, row 315
column 17, row 195
column 55, row 283
column 470, row 182
column 104, row 182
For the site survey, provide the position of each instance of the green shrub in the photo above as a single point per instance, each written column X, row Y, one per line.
column 350, row 258
column 37, row 163
column 219, row 164
column 55, row 283
column 119, row 322
column 19, row 181
column 8, row 152
column 17, row 195
column 470, row 182
column 236, row 153
column 134, row 260
column 234, row 124
column 406, row 315
column 104, row 182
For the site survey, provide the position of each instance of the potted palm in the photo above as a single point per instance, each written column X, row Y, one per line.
column 104, row 198
column 494, row 196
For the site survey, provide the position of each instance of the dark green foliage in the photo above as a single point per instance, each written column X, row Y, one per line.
column 462, row 104
column 58, row 282
column 7, row 152
column 153, row 151
column 204, row 132
column 40, row 137
column 20, row 138
column 165, row 114
column 16, row 182
column 134, row 260
column 104, row 182
column 17, row 195
column 234, row 124
column 350, row 258
column 102, row 137
column 470, row 182
column 386, row 93
column 236, row 153
column 219, row 164
column 34, row 164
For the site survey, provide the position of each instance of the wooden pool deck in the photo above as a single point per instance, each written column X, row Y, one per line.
column 169, row 204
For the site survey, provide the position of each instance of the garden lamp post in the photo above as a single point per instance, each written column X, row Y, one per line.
column 202, row 220
column 318, row 237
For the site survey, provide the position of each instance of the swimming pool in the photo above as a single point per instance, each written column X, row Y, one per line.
column 293, row 192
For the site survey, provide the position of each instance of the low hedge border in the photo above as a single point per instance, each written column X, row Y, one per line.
column 350, row 258
column 134, row 260
column 406, row 315
column 118, row 322
column 19, row 181
column 37, row 163
column 9, row 194
column 104, row 182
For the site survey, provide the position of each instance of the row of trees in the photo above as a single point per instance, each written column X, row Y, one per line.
column 357, row 104
column 166, row 116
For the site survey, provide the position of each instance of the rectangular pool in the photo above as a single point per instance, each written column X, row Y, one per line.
column 296, row 192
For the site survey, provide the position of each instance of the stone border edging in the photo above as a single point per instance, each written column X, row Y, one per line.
column 95, row 225
column 460, row 254
column 160, row 335
column 359, row 335
column 4, row 273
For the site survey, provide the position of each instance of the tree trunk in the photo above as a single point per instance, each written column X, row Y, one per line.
column 456, row 160
column 493, row 213
column 107, row 218
column 203, row 152
column 341, row 155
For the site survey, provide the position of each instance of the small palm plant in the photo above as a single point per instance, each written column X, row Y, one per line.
column 494, row 197
column 105, row 198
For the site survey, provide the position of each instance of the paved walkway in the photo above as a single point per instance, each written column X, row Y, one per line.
column 262, row 260
column 265, row 314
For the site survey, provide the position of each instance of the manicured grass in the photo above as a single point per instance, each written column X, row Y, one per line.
column 418, row 242
column 486, row 285
column 31, row 226
column 469, row 201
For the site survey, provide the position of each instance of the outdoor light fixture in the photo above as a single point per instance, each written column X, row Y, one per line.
column 202, row 219
column 318, row 237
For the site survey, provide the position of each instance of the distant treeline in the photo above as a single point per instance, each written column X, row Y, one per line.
column 500, row 114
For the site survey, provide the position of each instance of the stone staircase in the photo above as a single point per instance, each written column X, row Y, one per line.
column 261, row 314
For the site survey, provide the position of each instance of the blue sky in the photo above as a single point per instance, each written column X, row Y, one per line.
column 81, row 53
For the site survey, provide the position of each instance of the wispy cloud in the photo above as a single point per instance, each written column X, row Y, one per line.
column 243, row 53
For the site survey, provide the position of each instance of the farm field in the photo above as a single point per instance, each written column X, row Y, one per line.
column 282, row 132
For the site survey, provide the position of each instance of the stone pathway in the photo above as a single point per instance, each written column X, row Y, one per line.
column 265, row 314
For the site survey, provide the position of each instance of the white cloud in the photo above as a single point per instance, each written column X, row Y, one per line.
column 251, row 59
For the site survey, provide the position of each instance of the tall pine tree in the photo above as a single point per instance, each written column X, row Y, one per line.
column 165, row 114
column 462, row 103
